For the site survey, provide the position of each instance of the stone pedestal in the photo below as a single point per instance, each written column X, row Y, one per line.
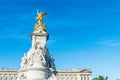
column 37, row 74
column 37, row 64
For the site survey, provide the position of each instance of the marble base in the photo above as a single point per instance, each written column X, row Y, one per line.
column 37, row 74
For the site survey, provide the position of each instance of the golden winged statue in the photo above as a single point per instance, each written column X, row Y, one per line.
column 40, row 18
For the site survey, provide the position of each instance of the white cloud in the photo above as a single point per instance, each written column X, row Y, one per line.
column 50, row 42
column 15, row 36
column 13, row 33
column 113, row 43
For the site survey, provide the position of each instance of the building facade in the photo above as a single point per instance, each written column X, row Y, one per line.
column 8, row 74
column 74, row 74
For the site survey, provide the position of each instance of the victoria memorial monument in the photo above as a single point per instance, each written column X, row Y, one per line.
column 38, row 64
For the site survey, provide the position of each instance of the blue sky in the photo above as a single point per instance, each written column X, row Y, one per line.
column 83, row 33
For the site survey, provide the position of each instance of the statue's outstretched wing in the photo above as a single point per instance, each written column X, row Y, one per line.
column 45, row 14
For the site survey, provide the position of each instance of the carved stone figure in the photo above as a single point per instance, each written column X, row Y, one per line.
column 39, row 56
column 24, row 62
column 52, row 64
column 21, row 76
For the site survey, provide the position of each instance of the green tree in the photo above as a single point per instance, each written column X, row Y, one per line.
column 118, row 79
column 100, row 78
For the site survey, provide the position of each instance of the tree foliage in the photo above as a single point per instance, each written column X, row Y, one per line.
column 100, row 78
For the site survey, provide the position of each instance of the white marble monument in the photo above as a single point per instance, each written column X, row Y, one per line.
column 37, row 64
